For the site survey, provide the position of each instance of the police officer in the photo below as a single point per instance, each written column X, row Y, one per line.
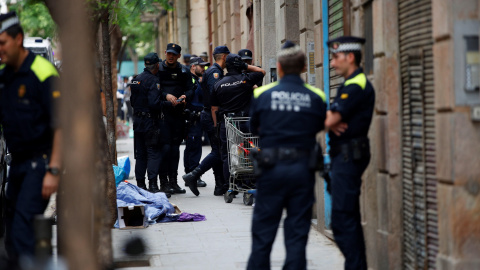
column 286, row 115
column 204, row 56
column 349, row 119
column 146, row 101
column 193, row 142
column 213, row 159
column 186, row 59
column 32, row 135
column 232, row 95
column 247, row 57
column 177, row 86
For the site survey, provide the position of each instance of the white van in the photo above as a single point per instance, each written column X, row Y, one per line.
column 40, row 46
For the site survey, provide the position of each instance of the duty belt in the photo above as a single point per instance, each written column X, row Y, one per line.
column 285, row 153
column 146, row 115
column 353, row 147
column 22, row 156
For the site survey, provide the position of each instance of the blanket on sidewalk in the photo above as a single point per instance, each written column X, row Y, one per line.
column 157, row 207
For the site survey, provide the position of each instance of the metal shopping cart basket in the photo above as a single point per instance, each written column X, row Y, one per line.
column 240, row 142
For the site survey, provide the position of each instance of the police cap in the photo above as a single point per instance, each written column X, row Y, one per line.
column 151, row 58
column 221, row 49
column 289, row 48
column 8, row 20
column 187, row 56
column 204, row 54
column 246, row 54
column 174, row 48
column 346, row 44
column 198, row 61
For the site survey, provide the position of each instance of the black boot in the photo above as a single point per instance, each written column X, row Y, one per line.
column 141, row 184
column 152, row 186
column 186, row 172
column 201, row 183
column 219, row 183
column 192, row 180
column 172, row 181
column 165, row 187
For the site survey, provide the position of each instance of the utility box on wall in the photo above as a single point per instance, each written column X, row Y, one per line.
column 467, row 63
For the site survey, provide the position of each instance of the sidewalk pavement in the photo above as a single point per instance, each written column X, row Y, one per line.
column 221, row 242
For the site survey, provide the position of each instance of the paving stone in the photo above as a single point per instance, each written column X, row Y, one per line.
column 221, row 242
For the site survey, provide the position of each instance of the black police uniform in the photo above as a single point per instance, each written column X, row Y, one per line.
column 193, row 141
column 232, row 95
column 213, row 159
column 176, row 81
column 147, row 103
column 350, row 155
column 286, row 115
column 26, row 114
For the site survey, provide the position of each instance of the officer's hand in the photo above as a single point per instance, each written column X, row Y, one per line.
column 240, row 65
column 339, row 128
column 50, row 185
column 184, row 99
column 172, row 99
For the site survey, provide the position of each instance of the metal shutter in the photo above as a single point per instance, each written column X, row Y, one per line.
column 418, row 135
column 335, row 29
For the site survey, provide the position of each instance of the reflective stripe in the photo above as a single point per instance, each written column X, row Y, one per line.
column 360, row 80
column 193, row 80
column 258, row 91
column 317, row 91
column 43, row 68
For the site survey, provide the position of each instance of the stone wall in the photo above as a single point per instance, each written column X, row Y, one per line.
column 458, row 138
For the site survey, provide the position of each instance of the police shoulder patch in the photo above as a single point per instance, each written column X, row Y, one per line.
column 158, row 86
column 216, row 75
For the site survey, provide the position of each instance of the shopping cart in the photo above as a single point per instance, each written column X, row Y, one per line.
column 240, row 142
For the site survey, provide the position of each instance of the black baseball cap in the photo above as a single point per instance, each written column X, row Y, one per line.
column 198, row 61
column 221, row 49
column 151, row 58
column 231, row 58
column 174, row 48
column 246, row 54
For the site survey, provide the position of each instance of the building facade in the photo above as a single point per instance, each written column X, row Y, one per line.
column 421, row 192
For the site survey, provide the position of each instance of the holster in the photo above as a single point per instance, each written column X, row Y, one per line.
column 316, row 159
column 262, row 160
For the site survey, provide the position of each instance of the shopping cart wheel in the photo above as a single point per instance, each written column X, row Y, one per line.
column 247, row 198
column 228, row 196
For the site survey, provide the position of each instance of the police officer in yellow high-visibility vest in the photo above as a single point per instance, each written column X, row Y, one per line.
column 31, row 133
column 349, row 119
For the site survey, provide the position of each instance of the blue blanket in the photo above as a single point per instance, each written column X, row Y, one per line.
column 157, row 206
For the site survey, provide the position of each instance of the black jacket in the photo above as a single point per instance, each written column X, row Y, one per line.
column 176, row 81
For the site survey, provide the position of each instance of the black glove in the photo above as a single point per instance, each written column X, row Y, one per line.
column 240, row 65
